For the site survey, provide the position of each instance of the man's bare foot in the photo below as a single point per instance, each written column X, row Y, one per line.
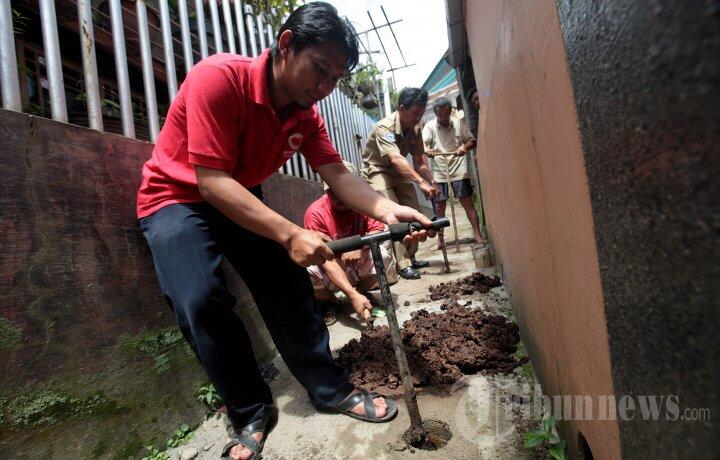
column 240, row 452
column 480, row 240
column 379, row 403
column 437, row 247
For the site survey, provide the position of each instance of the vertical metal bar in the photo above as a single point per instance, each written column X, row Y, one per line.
column 357, row 140
column 296, row 165
column 347, row 118
column 251, row 30
column 417, row 429
column 121, row 70
column 217, row 33
column 336, row 123
column 227, row 15
column 261, row 35
column 240, row 21
column 202, row 33
column 185, row 33
column 9, row 82
column 53, row 63
column 303, row 167
column 147, row 69
column 343, row 126
column 168, row 49
column 90, row 73
column 270, row 35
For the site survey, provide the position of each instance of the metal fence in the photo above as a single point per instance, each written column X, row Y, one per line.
column 240, row 31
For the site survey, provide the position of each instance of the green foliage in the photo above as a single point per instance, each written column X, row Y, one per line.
column 546, row 436
column 366, row 78
column 3, row 406
column 10, row 336
column 181, row 436
column 209, row 396
column 98, row 449
column 20, row 22
column 273, row 11
column 155, row 454
column 394, row 95
column 157, row 345
column 48, row 406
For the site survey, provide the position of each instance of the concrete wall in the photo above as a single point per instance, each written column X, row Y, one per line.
column 91, row 363
column 646, row 81
column 598, row 158
column 537, row 203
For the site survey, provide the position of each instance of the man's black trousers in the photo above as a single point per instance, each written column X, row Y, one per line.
column 188, row 243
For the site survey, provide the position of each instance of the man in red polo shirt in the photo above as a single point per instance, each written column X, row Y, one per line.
column 353, row 273
column 234, row 121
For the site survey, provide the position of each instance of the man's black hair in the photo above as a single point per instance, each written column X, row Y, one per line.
column 442, row 101
column 412, row 96
column 318, row 22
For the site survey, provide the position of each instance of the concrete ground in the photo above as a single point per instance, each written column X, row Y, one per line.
column 486, row 415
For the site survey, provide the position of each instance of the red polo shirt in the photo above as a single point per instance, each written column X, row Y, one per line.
column 322, row 217
column 222, row 119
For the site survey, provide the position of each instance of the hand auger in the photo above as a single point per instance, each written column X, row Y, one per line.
column 396, row 232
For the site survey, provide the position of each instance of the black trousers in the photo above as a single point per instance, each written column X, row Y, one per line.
column 188, row 242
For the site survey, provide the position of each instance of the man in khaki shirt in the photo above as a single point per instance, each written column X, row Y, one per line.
column 446, row 134
column 387, row 171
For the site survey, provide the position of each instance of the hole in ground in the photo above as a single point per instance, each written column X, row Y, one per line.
column 438, row 435
column 584, row 448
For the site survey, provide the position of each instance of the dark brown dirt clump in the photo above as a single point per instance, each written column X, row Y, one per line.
column 477, row 282
column 440, row 348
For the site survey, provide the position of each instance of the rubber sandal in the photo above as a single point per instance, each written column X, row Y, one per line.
column 330, row 318
column 266, row 425
column 366, row 397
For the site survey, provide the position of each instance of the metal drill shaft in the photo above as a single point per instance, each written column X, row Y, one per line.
column 417, row 429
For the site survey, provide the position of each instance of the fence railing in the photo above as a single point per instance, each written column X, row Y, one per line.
column 241, row 30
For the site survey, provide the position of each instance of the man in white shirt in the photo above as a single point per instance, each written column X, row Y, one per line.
column 447, row 134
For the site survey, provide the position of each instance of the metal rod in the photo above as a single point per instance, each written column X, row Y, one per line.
column 227, row 15
column 417, row 428
column 270, row 35
column 393, row 34
column 260, row 32
column 441, row 238
column 147, row 70
column 251, row 30
column 239, row 20
column 90, row 72
column 53, row 62
column 185, row 33
column 121, row 69
column 379, row 27
column 9, row 81
column 168, row 48
column 217, row 33
column 380, row 39
column 202, row 32
column 452, row 206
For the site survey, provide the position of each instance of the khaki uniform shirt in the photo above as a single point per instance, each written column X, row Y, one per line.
column 448, row 140
column 387, row 137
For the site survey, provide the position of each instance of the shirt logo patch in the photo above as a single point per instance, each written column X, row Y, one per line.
column 390, row 137
column 295, row 140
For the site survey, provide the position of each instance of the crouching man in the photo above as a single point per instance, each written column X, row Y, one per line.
column 354, row 273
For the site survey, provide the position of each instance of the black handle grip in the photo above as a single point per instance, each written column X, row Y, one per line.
column 343, row 245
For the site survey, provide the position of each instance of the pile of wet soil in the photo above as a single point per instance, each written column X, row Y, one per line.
column 477, row 282
column 440, row 348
